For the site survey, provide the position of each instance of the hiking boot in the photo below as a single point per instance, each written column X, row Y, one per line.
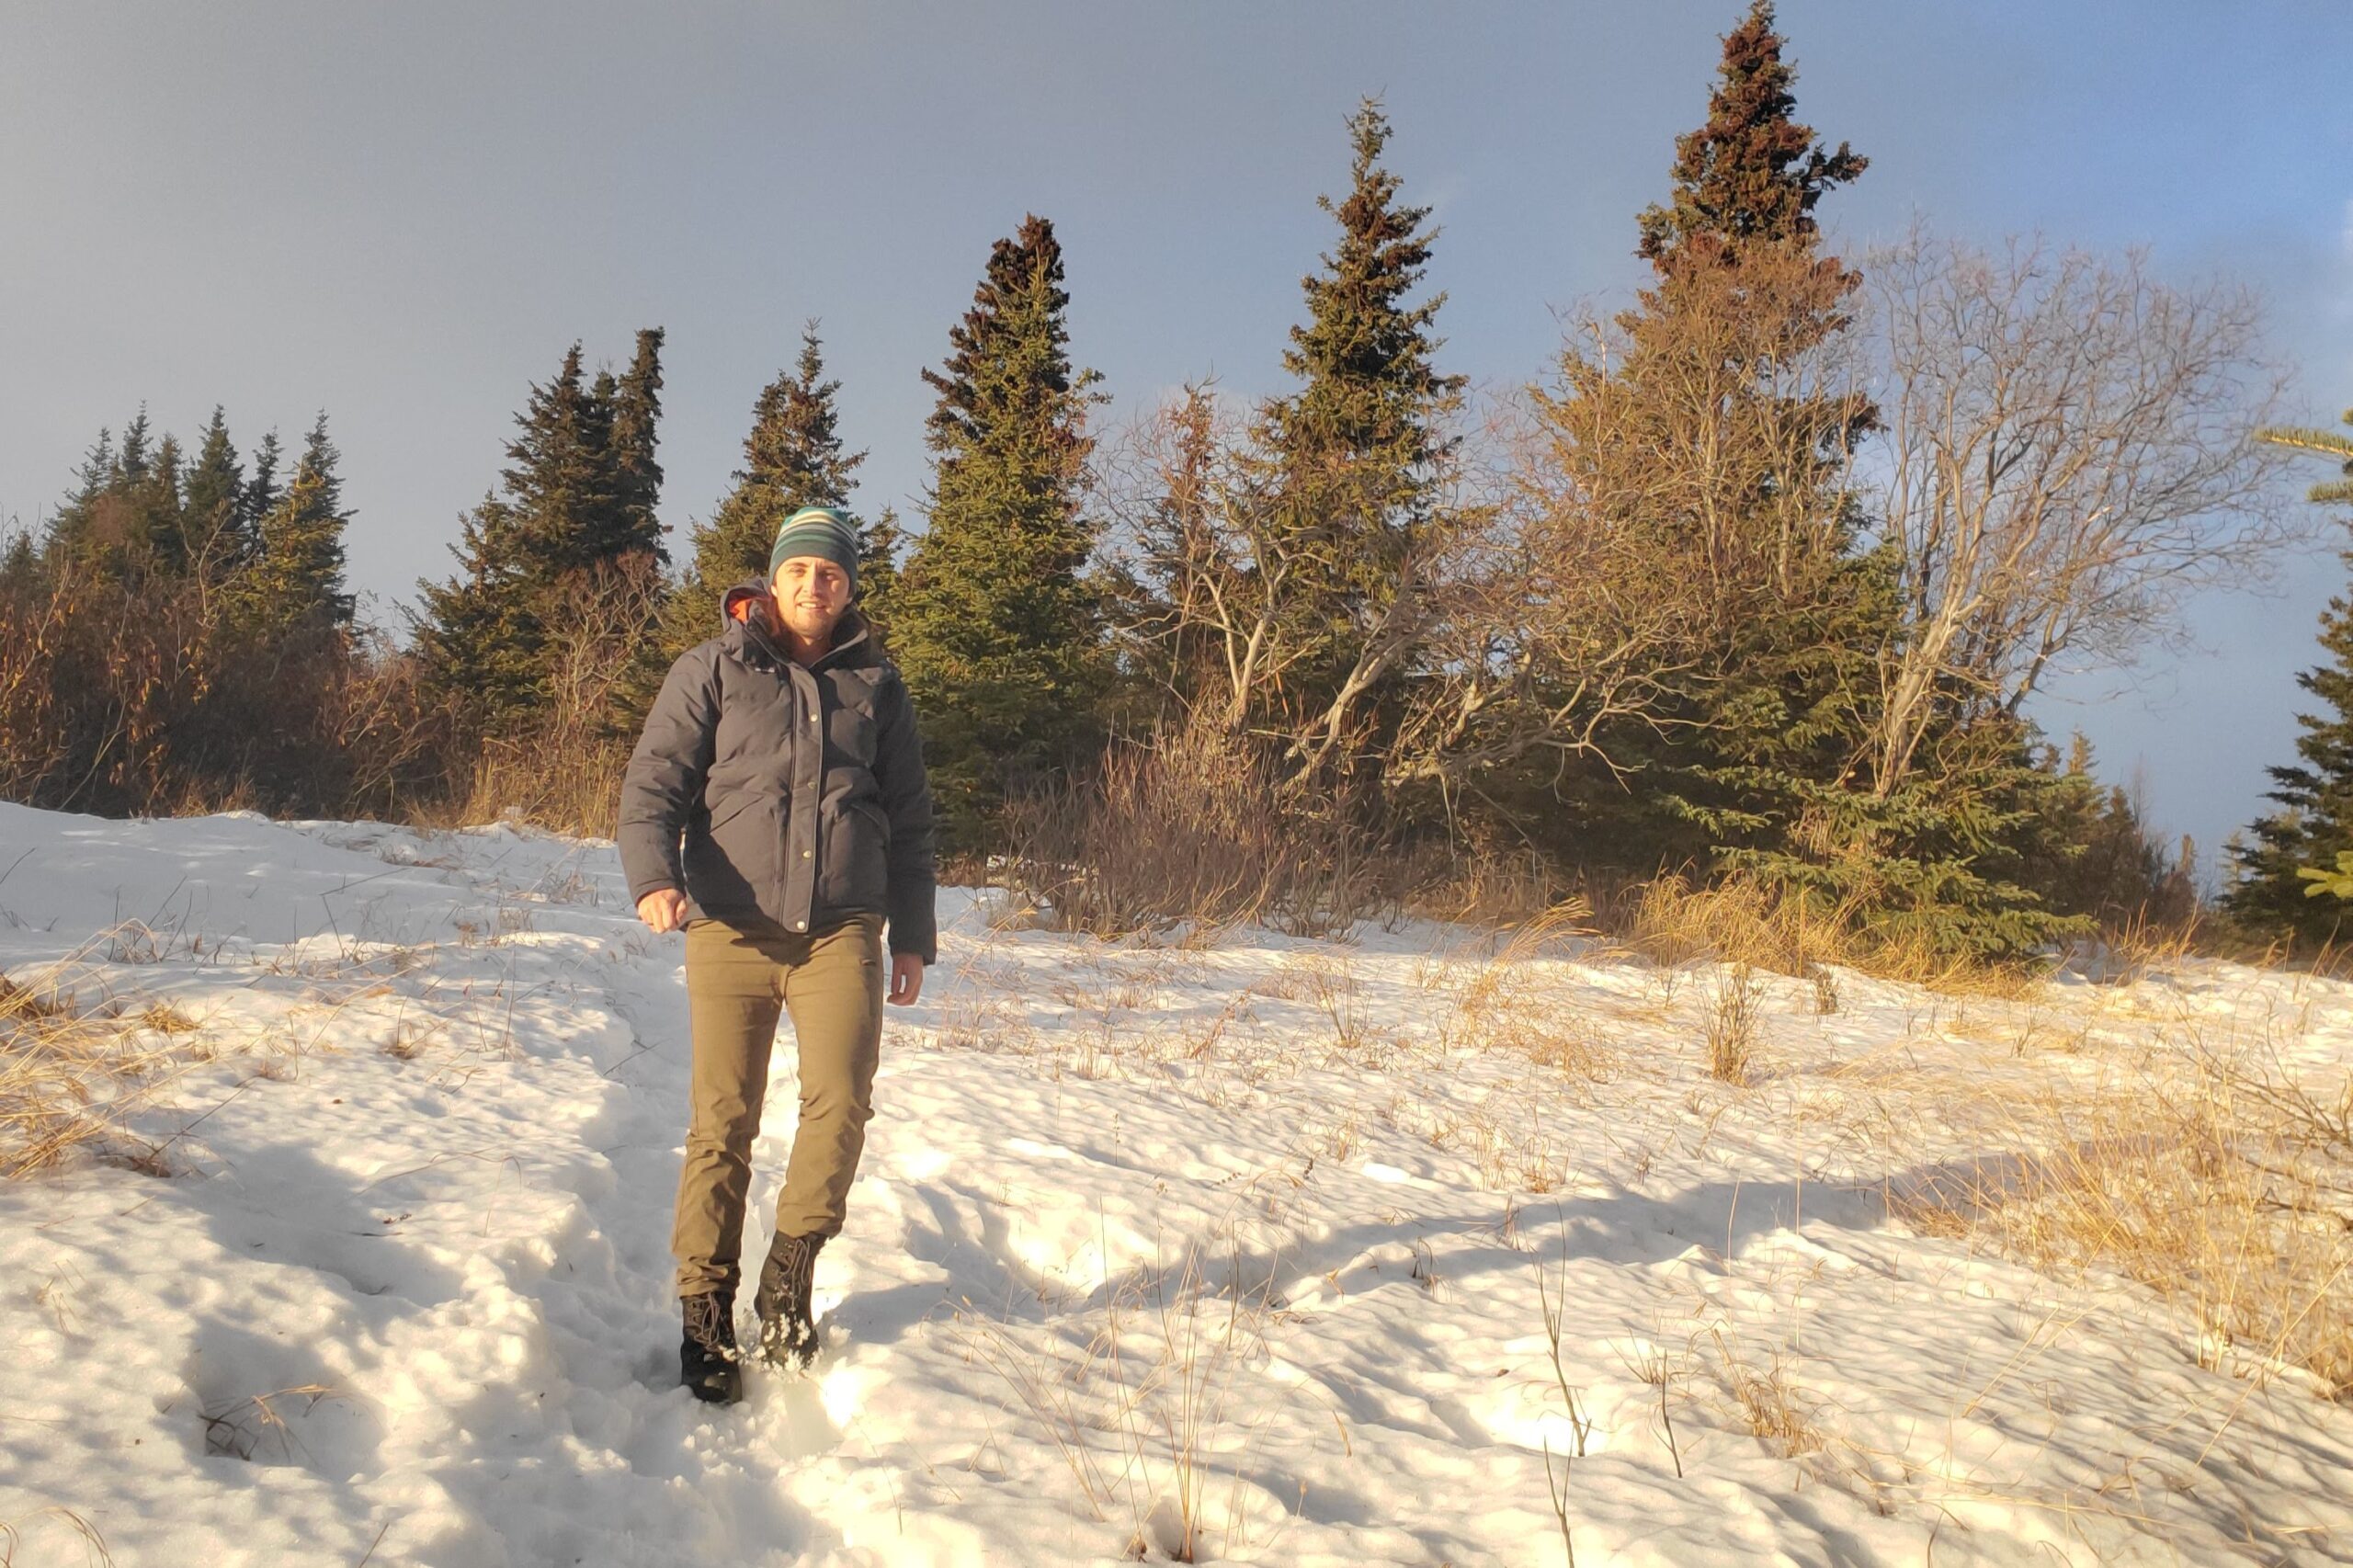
column 788, row 1333
column 709, row 1363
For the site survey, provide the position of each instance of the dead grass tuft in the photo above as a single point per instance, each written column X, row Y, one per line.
column 66, row 1069
column 12, row 1533
column 1731, row 1026
column 1742, row 920
column 1770, row 1403
column 2217, row 1181
column 1144, row 1402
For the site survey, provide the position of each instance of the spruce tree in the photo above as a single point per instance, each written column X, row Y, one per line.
column 66, row 538
column 880, row 545
column 123, row 521
column 575, row 503
column 2314, row 823
column 296, row 581
column 1351, row 459
column 157, row 532
column 2330, row 444
column 559, row 479
column 1752, row 171
column 261, row 493
column 20, row 571
column 478, row 636
column 633, row 435
column 215, row 509
column 994, row 620
column 1701, row 437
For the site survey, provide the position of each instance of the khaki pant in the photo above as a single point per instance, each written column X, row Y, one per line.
column 739, row 976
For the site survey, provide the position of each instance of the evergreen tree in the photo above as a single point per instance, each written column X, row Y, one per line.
column 124, row 519
column 261, row 493
column 157, row 534
column 296, row 581
column 994, row 621
column 792, row 457
column 636, row 402
column 1752, row 171
column 479, row 635
column 1752, row 523
column 1350, row 460
column 215, row 510
column 2314, row 823
column 881, row 544
column 70, row 526
column 559, row 479
column 2329, row 444
column 1705, row 436
column 575, row 506
column 20, row 564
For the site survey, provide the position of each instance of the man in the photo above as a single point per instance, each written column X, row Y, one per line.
column 776, row 807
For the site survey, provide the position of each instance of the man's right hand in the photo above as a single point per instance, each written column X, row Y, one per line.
column 665, row 909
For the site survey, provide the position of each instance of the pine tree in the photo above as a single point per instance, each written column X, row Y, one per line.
column 994, row 621
column 2314, row 823
column 1350, row 461
column 296, row 581
column 792, row 457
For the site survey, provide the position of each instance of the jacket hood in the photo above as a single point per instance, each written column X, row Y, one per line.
column 743, row 625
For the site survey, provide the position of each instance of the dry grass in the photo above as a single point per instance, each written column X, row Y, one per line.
column 1517, row 1002
column 1770, row 1403
column 240, row 1430
column 1145, row 1409
column 567, row 788
column 68, row 1071
column 12, row 1532
column 1189, row 828
column 2215, row 1179
column 1731, row 1026
column 1741, row 920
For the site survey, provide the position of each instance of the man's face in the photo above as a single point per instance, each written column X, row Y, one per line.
column 811, row 594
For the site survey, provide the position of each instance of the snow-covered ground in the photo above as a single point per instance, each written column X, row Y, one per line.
column 1348, row 1252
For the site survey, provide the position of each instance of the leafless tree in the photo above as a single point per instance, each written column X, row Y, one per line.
column 1235, row 562
column 2065, row 457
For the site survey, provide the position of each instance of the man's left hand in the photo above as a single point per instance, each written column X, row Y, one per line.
column 907, row 979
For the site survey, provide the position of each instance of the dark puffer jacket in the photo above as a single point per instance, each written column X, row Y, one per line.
column 760, row 787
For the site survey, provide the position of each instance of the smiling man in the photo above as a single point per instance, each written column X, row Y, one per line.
column 776, row 807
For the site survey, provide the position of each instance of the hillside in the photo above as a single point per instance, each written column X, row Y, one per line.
column 353, row 1247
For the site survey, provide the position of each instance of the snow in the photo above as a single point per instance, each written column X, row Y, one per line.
column 1268, row 1233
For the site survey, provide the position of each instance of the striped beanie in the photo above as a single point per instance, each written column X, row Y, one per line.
column 821, row 532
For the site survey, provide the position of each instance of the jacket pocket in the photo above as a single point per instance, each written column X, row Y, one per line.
column 734, row 808
column 855, row 869
column 739, row 854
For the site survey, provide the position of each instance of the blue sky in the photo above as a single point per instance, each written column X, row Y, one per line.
column 403, row 214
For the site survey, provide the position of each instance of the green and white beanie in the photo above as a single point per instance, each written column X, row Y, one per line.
column 821, row 532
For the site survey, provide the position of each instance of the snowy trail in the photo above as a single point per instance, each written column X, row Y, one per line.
column 1263, row 1234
